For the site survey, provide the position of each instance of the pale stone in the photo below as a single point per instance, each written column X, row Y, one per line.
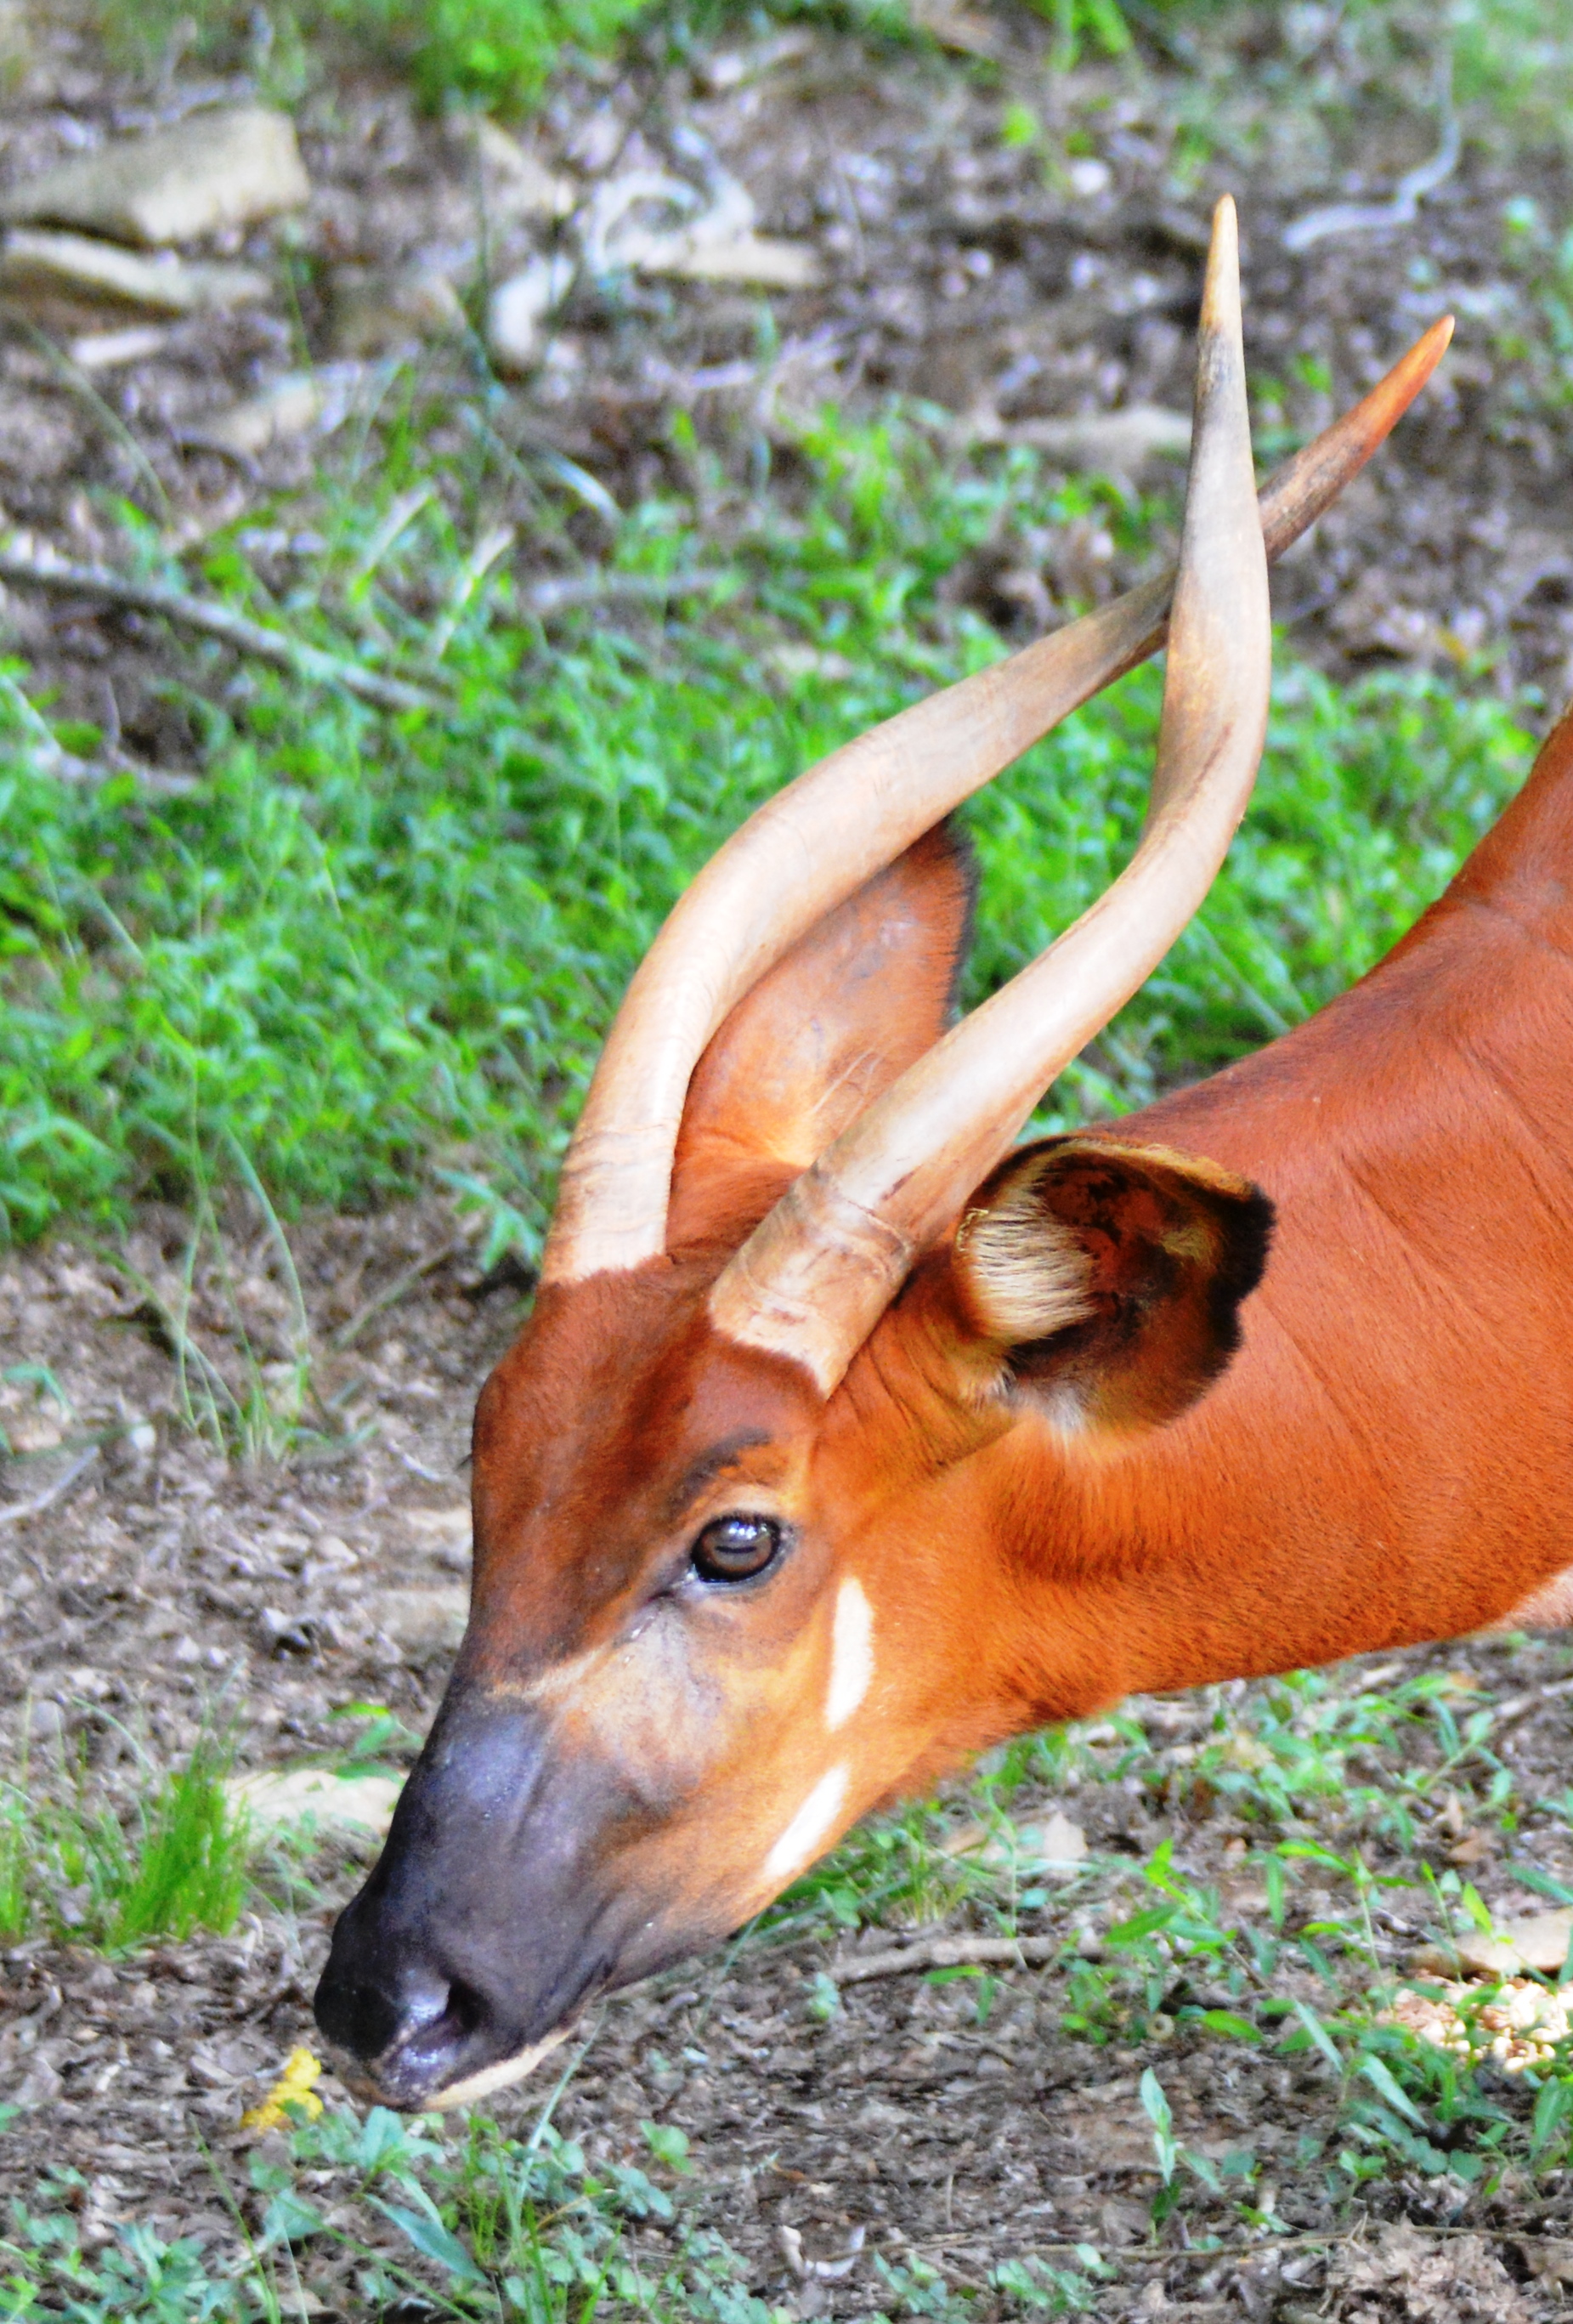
column 517, row 308
column 1056, row 1845
column 220, row 168
column 1116, row 442
column 420, row 1621
column 444, row 1534
column 50, row 271
column 1539, row 1943
column 760, row 260
column 277, row 1798
column 647, row 220
column 519, row 185
column 659, row 225
column 1090, row 177
column 293, row 406
column 109, row 350
column 376, row 314
column 966, row 30
column 449, row 1528
column 1057, row 1840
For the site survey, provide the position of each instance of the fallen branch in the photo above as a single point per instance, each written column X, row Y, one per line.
column 946, row 1952
column 35, row 570
column 555, row 596
column 67, row 768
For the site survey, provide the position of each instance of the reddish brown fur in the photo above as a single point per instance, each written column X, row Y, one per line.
column 832, row 1026
column 1036, row 1530
column 1388, row 1458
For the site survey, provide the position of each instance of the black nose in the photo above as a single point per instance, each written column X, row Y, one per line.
column 393, row 2006
column 476, row 1935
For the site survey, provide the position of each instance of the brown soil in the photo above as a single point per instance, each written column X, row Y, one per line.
column 167, row 1579
column 168, row 1584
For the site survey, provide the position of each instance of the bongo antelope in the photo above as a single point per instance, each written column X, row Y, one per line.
column 848, row 1437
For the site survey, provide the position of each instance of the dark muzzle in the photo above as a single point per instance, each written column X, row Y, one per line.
column 475, row 1936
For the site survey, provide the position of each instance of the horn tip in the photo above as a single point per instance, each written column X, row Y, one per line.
column 1220, row 296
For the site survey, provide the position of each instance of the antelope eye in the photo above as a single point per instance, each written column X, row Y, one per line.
column 734, row 1549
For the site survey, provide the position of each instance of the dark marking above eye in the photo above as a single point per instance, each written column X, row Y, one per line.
column 710, row 1465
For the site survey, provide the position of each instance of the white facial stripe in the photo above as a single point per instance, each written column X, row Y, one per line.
column 801, row 1838
column 851, row 1654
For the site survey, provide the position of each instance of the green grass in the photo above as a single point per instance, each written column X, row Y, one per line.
column 88, row 1870
column 501, row 53
column 368, row 949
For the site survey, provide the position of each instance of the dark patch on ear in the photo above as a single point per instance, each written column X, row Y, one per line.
column 1242, row 1267
column 1131, row 1262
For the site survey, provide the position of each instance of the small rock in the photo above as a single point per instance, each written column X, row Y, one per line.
column 517, row 184
column 352, row 1804
column 659, row 225
column 519, row 307
column 222, row 167
column 379, row 314
column 955, row 26
column 420, row 1621
column 761, row 260
column 446, row 1535
column 48, row 273
column 287, row 1634
column 108, row 350
column 290, row 408
column 42, row 2085
column 1539, row 1942
column 1116, row 442
column 728, row 68
column 1090, row 177
column 1055, row 1844
column 1057, row 1840
column 293, row 406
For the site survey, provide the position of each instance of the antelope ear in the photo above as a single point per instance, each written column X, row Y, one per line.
column 1109, row 1278
column 858, row 999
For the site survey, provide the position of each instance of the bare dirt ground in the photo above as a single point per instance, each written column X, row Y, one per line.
column 155, row 1579
column 167, row 1584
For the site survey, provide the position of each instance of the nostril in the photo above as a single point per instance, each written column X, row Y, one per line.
column 466, row 2010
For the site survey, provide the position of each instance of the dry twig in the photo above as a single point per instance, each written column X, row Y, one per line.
column 555, row 595
column 945, row 1952
column 35, row 570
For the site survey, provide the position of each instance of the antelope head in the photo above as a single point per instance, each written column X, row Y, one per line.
column 744, row 1490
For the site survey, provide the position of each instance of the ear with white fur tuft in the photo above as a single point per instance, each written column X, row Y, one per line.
column 1109, row 1278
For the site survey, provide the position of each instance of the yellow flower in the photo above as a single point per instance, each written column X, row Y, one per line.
column 293, row 2088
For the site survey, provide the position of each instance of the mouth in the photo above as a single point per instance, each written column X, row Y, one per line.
column 428, row 2042
column 390, row 2081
